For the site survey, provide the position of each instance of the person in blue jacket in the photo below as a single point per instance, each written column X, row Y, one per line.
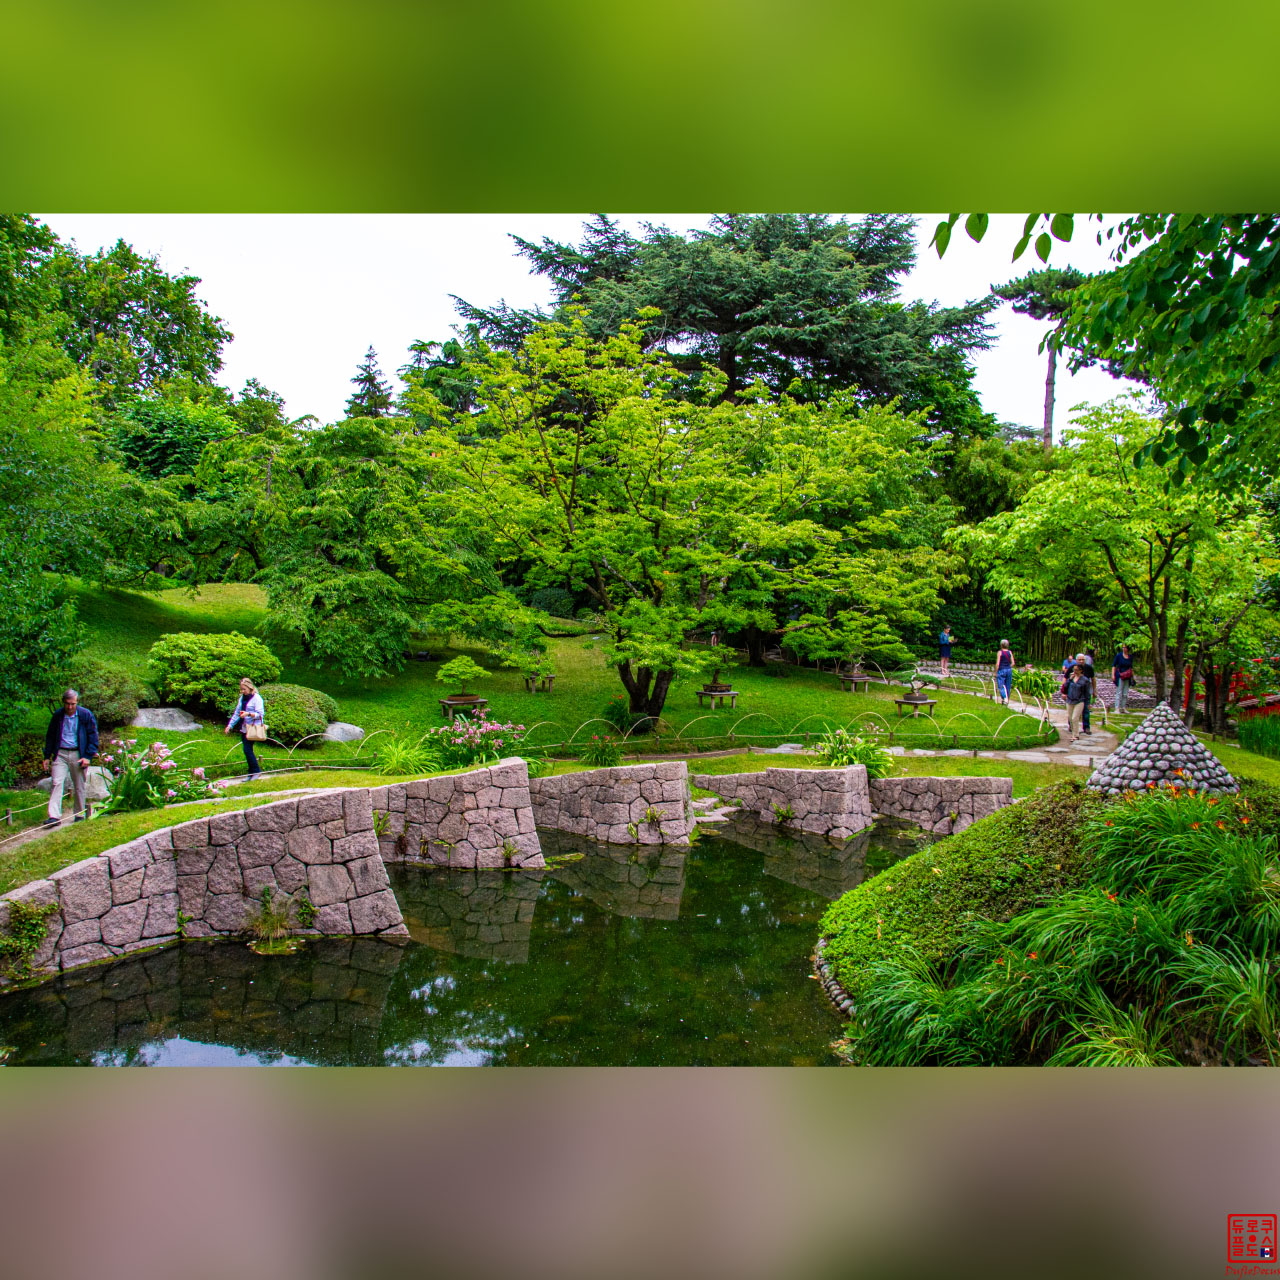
column 70, row 742
column 944, row 648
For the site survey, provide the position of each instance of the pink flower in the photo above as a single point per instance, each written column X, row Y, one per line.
column 197, row 772
column 171, row 792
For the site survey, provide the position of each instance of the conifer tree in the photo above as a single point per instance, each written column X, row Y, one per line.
column 372, row 395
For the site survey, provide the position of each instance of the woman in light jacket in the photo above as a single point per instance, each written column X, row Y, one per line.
column 248, row 710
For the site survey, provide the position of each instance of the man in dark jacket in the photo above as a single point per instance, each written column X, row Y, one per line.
column 70, row 742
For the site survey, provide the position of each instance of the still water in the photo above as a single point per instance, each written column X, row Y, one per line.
column 621, row 957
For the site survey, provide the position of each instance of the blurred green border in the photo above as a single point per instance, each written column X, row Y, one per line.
column 416, row 105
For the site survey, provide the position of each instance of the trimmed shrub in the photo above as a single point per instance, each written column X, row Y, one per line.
column 294, row 712
column 1019, row 858
column 20, row 758
column 110, row 692
column 205, row 670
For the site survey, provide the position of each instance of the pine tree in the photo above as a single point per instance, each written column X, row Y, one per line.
column 372, row 395
column 1044, row 295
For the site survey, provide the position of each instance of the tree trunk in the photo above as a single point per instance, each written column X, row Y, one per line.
column 646, row 689
column 757, row 642
column 1048, row 399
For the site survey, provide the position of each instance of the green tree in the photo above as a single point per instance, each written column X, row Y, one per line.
column 1192, row 308
column 1044, row 295
column 166, row 434
column 372, row 395
column 803, row 303
column 25, row 247
column 130, row 323
column 597, row 463
column 1103, row 547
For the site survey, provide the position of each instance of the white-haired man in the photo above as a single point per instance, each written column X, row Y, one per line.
column 70, row 742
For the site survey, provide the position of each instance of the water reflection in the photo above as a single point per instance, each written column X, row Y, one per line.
column 210, row 1003
column 651, row 956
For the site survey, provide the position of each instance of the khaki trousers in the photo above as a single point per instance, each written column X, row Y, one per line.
column 66, row 764
column 1075, row 713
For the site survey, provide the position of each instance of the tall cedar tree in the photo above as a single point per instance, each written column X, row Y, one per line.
column 372, row 395
column 1044, row 295
column 804, row 303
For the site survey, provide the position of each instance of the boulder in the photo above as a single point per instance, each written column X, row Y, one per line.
column 340, row 731
column 95, row 784
column 170, row 719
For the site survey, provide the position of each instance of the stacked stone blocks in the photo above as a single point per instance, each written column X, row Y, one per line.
column 479, row 820
column 611, row 805
column 213, row 871
column 828, row 802
column 941, row 805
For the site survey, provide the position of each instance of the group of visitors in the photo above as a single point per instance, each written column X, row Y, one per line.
column 71, row 742
column 1080, row 685
column 1079, row 678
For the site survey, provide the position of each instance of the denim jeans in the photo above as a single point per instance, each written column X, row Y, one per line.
column 250, row 759
column 1122, row 694
column 1004, row 682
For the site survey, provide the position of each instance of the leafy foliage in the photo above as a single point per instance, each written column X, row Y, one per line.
column 805, row 304
column 27, row 927
column 295, row 712
column 1261, row 734
column 461, row 671
column 206, row 670
column 1162, row 957
column 397, row 757
column 166, row 434
column 110, row 692
column 469, row 741
column 1020, row 857
column 839, row 748
column 601, row 752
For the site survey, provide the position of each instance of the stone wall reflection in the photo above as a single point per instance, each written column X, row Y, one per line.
column 324, row 1004
column 638, row 881
column 818, row 865
column 487, row 915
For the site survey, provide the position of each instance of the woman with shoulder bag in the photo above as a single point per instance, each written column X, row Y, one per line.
column 248, row 717
column 1078, row 688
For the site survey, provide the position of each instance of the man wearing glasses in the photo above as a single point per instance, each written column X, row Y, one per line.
column 70, row 742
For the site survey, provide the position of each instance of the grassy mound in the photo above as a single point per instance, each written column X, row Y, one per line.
column 1017, row 859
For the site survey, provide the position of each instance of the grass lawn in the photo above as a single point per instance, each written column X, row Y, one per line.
column 1026, row 776
column 122, row 626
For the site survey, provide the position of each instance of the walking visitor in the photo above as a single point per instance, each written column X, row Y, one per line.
column 1122, row 674
column 1079, row 687
column 248, row 718
column 1085, row 660
column 1004, row 672
column 944, row 649
column 70, row 742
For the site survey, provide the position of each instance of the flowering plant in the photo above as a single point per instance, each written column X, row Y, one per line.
column 149, row 777
column 480, row 740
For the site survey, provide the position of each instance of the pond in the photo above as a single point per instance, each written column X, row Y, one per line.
column 613, row 957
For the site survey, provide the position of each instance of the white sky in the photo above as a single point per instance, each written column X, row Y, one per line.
column 306, row 294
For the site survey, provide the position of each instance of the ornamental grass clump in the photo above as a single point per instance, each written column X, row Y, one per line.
column 149, row 778
column 840, row 748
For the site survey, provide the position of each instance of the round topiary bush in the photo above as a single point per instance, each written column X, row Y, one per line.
column 110, row 692
column 294, row 712
column 205, row 670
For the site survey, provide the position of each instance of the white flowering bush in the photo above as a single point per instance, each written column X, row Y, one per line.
column 149, row 777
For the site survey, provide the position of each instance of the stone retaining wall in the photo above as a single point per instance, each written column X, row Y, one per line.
column 827, row 802
column 479, row 820
column 486, row 915
column 610, row 804
column 213, row 871
column 942, row 805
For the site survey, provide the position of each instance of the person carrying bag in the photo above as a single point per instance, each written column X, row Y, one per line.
column 248, row 717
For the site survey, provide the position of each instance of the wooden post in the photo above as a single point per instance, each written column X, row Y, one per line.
column 8, row 817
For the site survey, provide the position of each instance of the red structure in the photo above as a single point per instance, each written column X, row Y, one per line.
column 1241, row 682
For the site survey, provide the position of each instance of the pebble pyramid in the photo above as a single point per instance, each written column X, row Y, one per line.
column 1154, row 752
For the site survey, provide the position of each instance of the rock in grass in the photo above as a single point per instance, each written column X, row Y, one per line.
column 170, row 719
